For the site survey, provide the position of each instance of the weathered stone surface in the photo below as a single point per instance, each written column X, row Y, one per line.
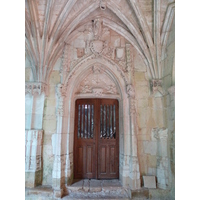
column 149, row 181
column 150, row 147
column 59, row 51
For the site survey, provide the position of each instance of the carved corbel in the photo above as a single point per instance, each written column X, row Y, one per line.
column 131, row 95
column 156, row 87
column 36, row 88
column 130, row 91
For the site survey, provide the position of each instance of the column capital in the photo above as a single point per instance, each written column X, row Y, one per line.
column 156, row 87
column 36, row 88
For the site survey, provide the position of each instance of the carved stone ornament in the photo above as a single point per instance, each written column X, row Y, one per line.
column 97, row 46
column 97, row 83
column 161, row 134
column 61, row 93
column 33, row 150
column 157, row 89
column 120, row 53
column 35, row 88
column 130, row 91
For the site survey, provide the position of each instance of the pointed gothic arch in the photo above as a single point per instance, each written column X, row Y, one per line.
column 65, row 126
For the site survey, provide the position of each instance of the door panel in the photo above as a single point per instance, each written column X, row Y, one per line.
column 96, row 141
column 84, row 138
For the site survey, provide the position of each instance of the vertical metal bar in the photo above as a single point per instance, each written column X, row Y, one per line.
column 85, row 121
column 82, row 121
column 114, row 133
column 104, row 122
column 79, row 118
column 92, row 121
column 101, row 131
column 88, row 121
column 108, row 132
column 111, row 131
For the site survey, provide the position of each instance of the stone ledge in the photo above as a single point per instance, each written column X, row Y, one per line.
column 39, row 191
column 154, row 194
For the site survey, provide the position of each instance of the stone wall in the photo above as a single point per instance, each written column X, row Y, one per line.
column 170, row 70
column 49, row 125
column 151, row 112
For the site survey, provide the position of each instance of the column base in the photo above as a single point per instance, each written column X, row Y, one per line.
column 58, row 193
column 33, row 179
column 134, row 184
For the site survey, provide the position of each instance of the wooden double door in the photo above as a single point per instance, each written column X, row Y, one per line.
column 96, row 141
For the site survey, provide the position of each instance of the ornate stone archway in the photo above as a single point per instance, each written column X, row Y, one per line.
column 76, row 86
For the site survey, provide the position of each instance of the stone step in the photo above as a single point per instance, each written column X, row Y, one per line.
column 96, row 189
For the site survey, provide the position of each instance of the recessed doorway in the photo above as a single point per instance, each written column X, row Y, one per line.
column 96, row 139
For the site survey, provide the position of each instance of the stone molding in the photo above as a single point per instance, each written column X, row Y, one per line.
column 33, row 150
column 97, row 83
column 129, row 59
column 36, row 88
column 87, row 58
column 60, row 93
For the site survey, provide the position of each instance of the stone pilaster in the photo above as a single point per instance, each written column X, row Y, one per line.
column 34, row 99
column 163, row 159
column 134, row 172
column 33, row 157
column 58, row 173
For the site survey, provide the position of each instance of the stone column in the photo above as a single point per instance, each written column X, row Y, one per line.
column 58, row 174
column 134, row 172
column 33, row 157
column 162, row 158
column 34, row 105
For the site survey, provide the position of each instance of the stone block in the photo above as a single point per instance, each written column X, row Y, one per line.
column 49, row 125
column 28, row 74
column 151, row 171
column 79, row 43
column 50, row 102
column 139, row 194
column 57, row 65
column 141, row 92
column 143, row 103
column 150, row 147
column 142, row 118
column 149, row 181
column 152, row 161
column 139, row 76
column 80, row 52
column 142, row 137
column 95, row 186
column 54, row 78
column 86, row 185
column 47, row 139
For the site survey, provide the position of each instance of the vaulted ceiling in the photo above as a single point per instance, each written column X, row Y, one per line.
column 49, row 25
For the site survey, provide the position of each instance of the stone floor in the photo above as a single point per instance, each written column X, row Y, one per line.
column 97, row 189
column 82, row 189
